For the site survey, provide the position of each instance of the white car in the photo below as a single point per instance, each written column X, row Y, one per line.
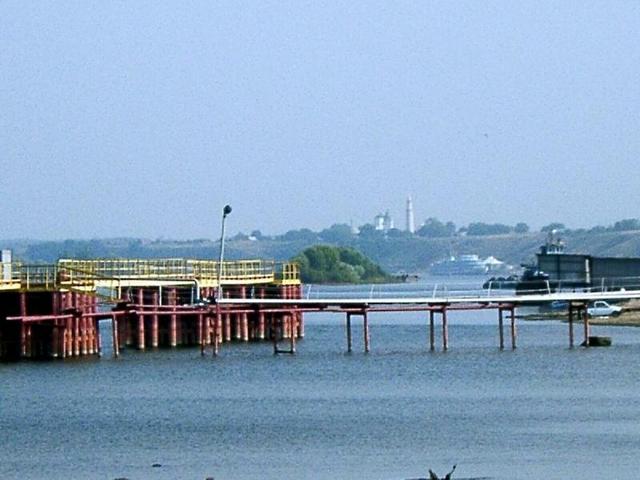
column 603, row 309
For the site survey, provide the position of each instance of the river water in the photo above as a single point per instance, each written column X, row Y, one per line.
column 542, row 411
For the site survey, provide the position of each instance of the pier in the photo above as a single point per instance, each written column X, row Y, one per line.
column 53, row 311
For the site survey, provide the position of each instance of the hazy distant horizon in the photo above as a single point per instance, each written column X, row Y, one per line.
column 215, row 237
column 143, row 119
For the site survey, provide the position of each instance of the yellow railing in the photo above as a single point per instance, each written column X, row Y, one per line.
column 89, row 274
column 237, row 271
column 288, row 273
column 17, row 276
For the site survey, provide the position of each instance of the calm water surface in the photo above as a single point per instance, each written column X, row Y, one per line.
column 543, row 411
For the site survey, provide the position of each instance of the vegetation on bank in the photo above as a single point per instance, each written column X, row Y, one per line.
column 329, row 264
column 395, row 250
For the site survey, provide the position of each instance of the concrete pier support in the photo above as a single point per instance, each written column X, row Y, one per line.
column 349, row 340
column 365, row 331
column 445, row 330
column 432, row 332
column 571, row 310
column 500, row 328
column 512, row 314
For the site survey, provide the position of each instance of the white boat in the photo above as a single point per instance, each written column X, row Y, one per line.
column 462, row 265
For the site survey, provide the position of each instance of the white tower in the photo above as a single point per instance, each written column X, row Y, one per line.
column 411, row 225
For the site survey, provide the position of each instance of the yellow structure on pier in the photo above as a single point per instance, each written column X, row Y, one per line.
column 115, row 274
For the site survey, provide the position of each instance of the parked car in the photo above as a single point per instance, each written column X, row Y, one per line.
column 601, row 308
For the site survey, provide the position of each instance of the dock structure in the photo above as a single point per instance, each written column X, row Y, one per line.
column 53, row 311
column 434, row 307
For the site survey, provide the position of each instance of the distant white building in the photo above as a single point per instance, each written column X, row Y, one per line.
column 383, row 222
column 411, row 224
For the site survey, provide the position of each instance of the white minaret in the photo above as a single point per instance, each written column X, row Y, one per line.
column 411, row 225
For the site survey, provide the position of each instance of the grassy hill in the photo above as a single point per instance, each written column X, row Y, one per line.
column 408, row 254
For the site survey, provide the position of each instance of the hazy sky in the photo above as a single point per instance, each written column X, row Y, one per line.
column 135, row 118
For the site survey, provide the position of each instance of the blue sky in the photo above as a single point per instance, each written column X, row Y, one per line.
column 145, row 118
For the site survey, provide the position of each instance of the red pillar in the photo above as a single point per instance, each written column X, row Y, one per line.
column 244, row 318
column 84, row 331
column 55, row 310
column 227, row 327
column 116, row 335
column 261, row 317
column 23, row 325
column 98, row 348
column 202, row 330
column 300, row 315
column 173, row 328
column 140, row 303
column 154, row 321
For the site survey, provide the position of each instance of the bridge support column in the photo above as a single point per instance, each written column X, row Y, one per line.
column 292, row 338
column 349, row 343
column 585, row 317
column 445, row 330
column 301, row 316
column 571, row 325
column 365, row 328
column 227, row 327
column 114, row 334
column 141, row 343
column 98, row 337
column 173, row 325
column 202, row 332
column 55, row 336
column 154, row 320
column 513, row 327
column 244, row 318
column 217, row 331
column 432, row 332
column 500, row 327
column 260, row 317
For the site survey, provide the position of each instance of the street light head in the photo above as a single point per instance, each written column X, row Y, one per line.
column 226, row 210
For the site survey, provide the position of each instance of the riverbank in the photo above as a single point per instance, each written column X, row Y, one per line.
column 629, row 317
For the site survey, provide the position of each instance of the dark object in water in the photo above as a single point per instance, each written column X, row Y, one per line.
column 596, row 341
column 433, row 476
column 501, row 283
column 156, row 465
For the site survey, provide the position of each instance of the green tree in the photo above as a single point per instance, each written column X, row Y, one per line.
column 434, row 228
column 339, row 233
column 479, row 228
column 553, row 226
column 328, row 264
column 627, row 224
column 304, row 234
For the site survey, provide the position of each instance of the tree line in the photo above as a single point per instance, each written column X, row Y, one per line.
column 432, row 228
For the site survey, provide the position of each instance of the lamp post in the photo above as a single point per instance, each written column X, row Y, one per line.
column 225, row 211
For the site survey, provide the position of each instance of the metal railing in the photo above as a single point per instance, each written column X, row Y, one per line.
column 464, row 290
column 288, row 273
